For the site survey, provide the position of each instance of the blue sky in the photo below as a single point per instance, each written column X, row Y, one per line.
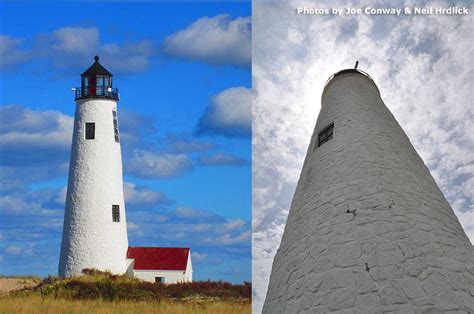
column 183, row 71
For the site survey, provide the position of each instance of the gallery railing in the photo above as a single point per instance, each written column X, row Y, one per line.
column 97, row 92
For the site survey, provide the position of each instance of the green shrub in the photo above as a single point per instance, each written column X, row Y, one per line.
column 95, row 284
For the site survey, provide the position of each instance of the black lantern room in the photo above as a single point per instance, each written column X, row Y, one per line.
column 96, row 82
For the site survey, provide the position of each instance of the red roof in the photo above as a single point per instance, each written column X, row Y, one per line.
column 159, row 258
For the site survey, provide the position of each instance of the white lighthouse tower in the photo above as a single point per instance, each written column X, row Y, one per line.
column 369, row 231
column 95, row 233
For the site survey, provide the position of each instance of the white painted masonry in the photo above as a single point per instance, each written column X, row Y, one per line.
column 170, row 276
column 90, row 238
column 399, row 249
column 130, row 263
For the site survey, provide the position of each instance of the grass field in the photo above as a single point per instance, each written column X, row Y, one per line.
column 102, row 292
column 37, row 304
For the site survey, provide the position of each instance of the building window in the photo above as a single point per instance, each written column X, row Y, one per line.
column 160, row 279
column 115, row 213
column 326, row 134
column 90, row 130
column 116, row 133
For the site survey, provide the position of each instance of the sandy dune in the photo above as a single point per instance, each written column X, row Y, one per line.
column 8, row 285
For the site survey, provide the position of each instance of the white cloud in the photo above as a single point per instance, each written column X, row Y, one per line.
column 24, row 205
column 129, row 57
column 19, row 119
column 13, row 250
column 29, row 137
column 422, row 66
column 234, row 224
column 183, row 145
column 222, row 160
column 73, row 47
column 26, row 129
column 13, row 205
column 140, row 195
column 148, row 164
column 10, row 53
column 81, row 40
column 465, row 213
column 132, row 227
column 228, row 114
column 227, row 239
column 198, row 257
column 202, row 230
column 61, row 196
column 196, row 215
column 216, row 40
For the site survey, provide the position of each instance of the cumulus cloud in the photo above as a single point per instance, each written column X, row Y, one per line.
column 10, row 52
column 203, row 230
column 43, row 202
column 216, row 40
column 228, row 114
column 235, row 224
column 13, row 250
column 13, row 205
column 222, row 160
column 423, row 67
column 72, row 47
column 226, row 239
column 17, row 177
column 198, row 257
column 148, row 164
column 61, row 196
column 16, row 118
column 33, row 137
column 136, row 123
column 80, row 40
column 128, row 57
column 143, row 196
column 195, row 215
column 185, row 145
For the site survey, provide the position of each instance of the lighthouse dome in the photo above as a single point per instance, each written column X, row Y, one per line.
column 96, row 82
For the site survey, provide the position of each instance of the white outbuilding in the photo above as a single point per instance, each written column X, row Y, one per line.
column 158, row 264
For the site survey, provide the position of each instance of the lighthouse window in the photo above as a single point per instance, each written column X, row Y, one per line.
column 90, row 131
column 116, row 133
column 85, row 86
column 115, row 213
column 326, row 134
column 102, row 85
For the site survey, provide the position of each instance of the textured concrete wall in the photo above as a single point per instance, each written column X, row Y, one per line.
column 90, row 237
column 402, row 251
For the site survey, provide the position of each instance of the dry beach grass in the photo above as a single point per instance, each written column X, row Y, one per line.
column 102, row 292
column 37, row 304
